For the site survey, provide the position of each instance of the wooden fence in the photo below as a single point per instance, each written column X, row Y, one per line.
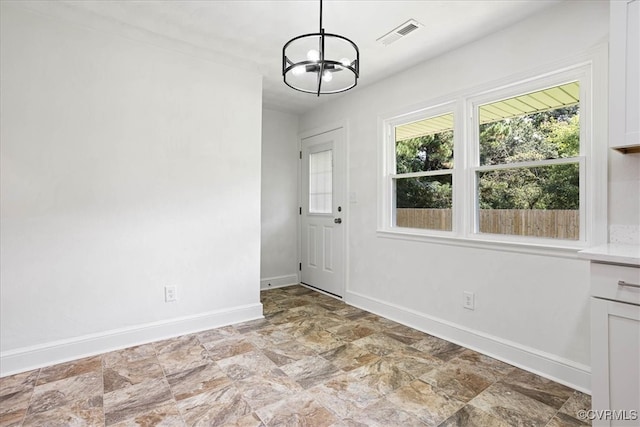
column 558, row 224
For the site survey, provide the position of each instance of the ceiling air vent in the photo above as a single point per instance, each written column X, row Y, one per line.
column 399, row 32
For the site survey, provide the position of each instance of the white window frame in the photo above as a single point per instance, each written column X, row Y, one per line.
column 590, row 70
column 391, row 175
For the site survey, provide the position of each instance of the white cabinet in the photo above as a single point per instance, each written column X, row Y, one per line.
column 624, row 75
column 615, row 345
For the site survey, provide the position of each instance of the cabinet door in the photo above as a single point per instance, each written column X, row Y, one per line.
column 615, row 362
column 624, row 74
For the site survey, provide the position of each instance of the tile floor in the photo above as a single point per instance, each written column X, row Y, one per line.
column 313, row 361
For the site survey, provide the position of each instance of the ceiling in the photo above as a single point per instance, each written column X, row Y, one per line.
column 252, row 33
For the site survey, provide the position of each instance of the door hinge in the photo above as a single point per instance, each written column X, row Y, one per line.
column 300, row 210
column 300, row 155
column 300, row 267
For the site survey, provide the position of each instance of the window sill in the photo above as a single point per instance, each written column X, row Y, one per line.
column 569, row 250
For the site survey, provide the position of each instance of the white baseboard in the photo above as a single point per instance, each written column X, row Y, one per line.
column 33, row 357
column 563, row 371
column 279, row 281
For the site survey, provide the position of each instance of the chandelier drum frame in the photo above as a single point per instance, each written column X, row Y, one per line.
column 321, row 65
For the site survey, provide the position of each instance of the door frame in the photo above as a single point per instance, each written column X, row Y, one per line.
column 346, row 214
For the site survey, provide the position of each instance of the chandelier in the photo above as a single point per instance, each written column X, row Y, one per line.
column 320, row 63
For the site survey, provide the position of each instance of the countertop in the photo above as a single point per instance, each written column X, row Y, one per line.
column 614, row 253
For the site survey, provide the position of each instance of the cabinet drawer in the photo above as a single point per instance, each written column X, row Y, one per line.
column 605, row 278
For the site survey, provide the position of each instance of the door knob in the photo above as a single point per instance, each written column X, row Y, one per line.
column 337, row 220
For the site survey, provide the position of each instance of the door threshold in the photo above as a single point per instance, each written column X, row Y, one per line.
column 331, row 294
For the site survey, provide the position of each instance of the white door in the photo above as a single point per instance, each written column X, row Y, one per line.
column 322, row 212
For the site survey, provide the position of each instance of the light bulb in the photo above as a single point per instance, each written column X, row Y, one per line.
column 299, row 70
column 346, row 62
column 313, row 55
column 327, row 76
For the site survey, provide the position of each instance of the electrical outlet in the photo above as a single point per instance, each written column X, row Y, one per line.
column 469, row 300
column 170, row 293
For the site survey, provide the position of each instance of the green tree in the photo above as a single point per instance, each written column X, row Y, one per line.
column 425, row 153
column 544, row 135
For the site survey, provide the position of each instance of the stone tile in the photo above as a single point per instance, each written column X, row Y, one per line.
column 379, row 344
column 348, row 357
column 245, row 365
column 303, row 326
column 15, row 393
column 512, row 407
column 384, row 414
column 349, row 310
column 128, row 355
column 293, row 302
column 182, row 355
column 486, row 366
column 310, row 311
column 297, row 290
column 299, row 410
column 229, row 347
column 343, row 396
column 218, row 334
column 79, row 413
column 84, row 390
column 348, row 422
column 251, row 326
column 282, row 316
column 459, row 382
column 271, row 336
column 541, row 389
column 12, row 419
column 176, row 344
column 222, row 407
column 136, row 400
column 564, row 420
column 382, row 376
column 18, row 382
column 287, row 352
column 405, row 334
column 439, row 348
column 320, row 340
column 427, row 403
column 265, row 389
column 470, row 416
column 197, row 380
column 70, row 369
column 130, row 373
column 351, row 331
column 310, row 371
column 413, row 362
column 162, row 416
column 380, row 323
column 576, row 403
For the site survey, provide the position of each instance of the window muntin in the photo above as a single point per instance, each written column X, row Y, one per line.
column 537, row 135
column 423, row 178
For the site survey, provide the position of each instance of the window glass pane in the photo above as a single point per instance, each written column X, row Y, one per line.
column 424, row 202
column 540, row 201
column 321, row 182
column 535, row 126
column 425, row 145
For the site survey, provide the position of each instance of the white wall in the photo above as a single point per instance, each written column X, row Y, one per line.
column 278, row 255
column 125, row 167
column 531, row 310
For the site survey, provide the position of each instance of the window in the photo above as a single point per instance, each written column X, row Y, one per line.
column 423, row 179
column 528, row 178
column 525, row 170
column 321, row 182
